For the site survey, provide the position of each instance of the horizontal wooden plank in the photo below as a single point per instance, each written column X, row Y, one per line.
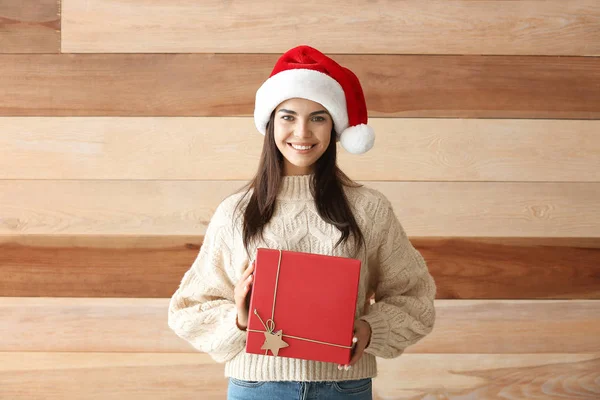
column 225, row 85
column 464, row 268
column 146, row 376
column 410, row 27
column 30, row 26
column 513, row 268
column 438, row 209
column 94, row 266
column 106, row 376
column 140, row 325
column 488, row 376
column 428, row 149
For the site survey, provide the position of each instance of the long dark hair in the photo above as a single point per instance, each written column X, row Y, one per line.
column 326, row 188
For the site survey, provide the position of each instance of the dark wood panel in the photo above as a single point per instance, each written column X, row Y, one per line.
column 98, row 266
column 29, row 26
column 514, row 268
column 225, row 85
column 139, row 266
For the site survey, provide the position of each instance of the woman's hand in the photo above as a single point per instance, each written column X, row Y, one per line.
column 362, row 334
column 242, row 289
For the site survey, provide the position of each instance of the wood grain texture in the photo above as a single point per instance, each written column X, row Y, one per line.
column 140, row 325
column 30, row 26
column 464, row 268
column 490, row 376
column 432, row 209
column 225, row 85
column 408, row 149
column 95, row 266
column 146, row 376
column 513, row 268
column 524, row 27
column 110, row 376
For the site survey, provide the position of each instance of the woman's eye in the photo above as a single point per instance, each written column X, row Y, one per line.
column 314, row 119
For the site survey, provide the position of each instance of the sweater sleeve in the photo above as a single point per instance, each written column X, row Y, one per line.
column 403, row 312
column 202, row 310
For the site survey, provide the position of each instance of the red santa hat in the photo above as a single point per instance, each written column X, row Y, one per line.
column 305, row 72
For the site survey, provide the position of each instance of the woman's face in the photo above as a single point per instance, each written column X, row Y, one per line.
column 307, row 124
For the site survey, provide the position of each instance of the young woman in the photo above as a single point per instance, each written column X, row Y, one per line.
column 300, row 200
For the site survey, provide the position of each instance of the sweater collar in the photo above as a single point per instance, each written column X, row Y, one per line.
column 295, row 187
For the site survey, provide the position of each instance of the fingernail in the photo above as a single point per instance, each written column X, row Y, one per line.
column 340, row 367
column 347, row 367
column 354, row 339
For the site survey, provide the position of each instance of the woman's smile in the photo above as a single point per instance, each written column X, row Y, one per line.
column 301, row 149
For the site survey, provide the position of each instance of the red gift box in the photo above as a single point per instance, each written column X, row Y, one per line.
column 303, row 305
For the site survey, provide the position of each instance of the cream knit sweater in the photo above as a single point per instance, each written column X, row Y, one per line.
column 202, row 310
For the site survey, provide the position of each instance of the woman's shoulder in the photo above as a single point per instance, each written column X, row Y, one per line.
column 232, row 205
column 367, row 198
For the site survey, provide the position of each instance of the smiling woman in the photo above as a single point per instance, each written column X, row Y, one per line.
column 300, row 200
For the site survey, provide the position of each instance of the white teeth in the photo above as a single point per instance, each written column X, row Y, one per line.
column 301, row 147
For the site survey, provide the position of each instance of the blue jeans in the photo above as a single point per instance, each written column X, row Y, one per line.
column 360, row 389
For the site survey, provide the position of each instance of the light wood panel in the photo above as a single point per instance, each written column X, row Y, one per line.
column 140, row 325
column 385, row 27
column 30, row 26
column 229, row 148
column 464, row 268
column 226, row 84
column 445, row 209
column 106, row 376
column 137, row 376
column 489, row 376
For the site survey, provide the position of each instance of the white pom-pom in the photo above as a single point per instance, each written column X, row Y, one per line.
column 358, row 139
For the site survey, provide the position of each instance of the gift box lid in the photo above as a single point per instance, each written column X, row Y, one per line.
column 315, row 298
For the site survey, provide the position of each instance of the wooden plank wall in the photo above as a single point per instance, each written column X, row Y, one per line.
column 124, row 124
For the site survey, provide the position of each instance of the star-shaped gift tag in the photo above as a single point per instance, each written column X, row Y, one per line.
column 274, row 342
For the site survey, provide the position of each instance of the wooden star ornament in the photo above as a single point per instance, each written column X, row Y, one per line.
column 274, row 342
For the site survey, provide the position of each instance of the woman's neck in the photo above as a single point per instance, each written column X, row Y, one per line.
column 295, row 187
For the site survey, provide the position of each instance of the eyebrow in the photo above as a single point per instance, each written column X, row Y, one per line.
column 295, row 113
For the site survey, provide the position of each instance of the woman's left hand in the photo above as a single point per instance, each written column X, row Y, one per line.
column 362, row 332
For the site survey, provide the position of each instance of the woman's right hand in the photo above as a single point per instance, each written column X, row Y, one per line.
column 240, row 294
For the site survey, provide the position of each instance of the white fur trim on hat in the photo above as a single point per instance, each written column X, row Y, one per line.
column 357, row 139
column 302, row 83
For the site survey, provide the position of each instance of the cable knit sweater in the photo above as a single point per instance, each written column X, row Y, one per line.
column 202, row 309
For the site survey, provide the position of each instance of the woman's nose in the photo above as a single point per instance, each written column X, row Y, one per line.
column 302, row 130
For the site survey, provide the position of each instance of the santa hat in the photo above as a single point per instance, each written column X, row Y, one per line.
column 305, row 72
